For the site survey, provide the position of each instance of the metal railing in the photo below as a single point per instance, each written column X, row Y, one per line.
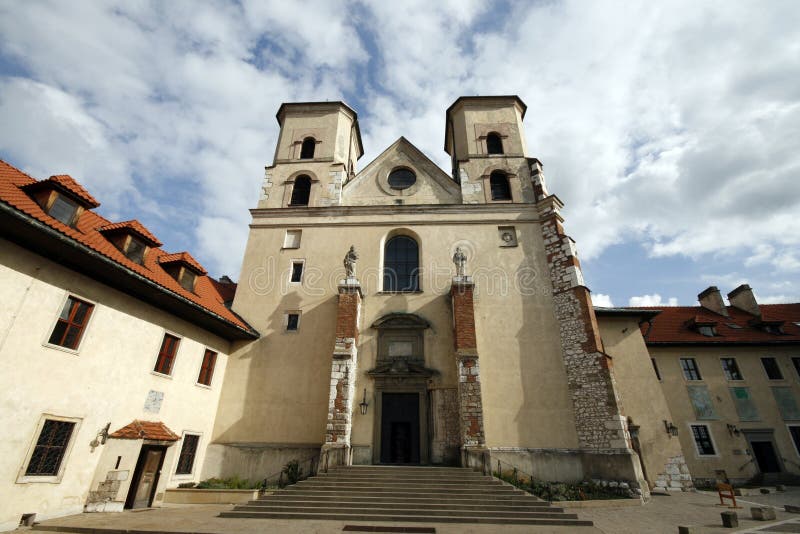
column 307, row 467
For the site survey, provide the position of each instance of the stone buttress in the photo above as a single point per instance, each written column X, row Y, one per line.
column 466, row 352
column 343, row 375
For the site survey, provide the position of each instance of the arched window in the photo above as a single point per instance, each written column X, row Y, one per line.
column 494, row 145
column 401, row 264
column 498, row 183
column 301, row 191
column 307, row 150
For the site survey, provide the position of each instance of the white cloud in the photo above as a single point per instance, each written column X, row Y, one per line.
column 668, row 123
column 775, row 299
column 652, row 300
column 599, row 299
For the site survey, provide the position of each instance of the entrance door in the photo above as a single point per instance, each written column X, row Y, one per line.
column 762, row 445
column 400, row 428
column 145, row 477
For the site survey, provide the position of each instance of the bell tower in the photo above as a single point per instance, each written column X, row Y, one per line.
column 486, row 142
column 318, row 146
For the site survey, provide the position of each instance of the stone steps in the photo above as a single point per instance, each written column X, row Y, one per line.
column 406, row 494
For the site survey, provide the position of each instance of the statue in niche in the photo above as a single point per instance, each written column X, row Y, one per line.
column 350, row 262
column 460, row 259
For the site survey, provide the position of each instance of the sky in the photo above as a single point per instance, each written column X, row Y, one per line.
column 670, row 130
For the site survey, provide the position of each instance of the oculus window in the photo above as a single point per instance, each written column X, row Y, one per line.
column 402, row 179
column 401, row 264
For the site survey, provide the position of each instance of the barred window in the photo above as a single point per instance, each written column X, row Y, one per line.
column 690, row 369
column 166, row 356
column 702, row 439
column 50, row 448
column 71, row 323
column 188, row 452
column 207, row 368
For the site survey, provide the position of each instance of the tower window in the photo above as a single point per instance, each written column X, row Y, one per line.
column 494, row 145
column 498, row 183
column 401, row 264
column 307, row 150
column 301, row 191
column 292, row 321
column 297, row 272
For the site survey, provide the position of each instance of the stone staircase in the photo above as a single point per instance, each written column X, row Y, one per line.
column 406, row 494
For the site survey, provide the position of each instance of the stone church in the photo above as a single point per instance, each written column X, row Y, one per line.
column 457, row 324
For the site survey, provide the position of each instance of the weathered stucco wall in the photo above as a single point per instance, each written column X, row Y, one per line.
column 106, row 380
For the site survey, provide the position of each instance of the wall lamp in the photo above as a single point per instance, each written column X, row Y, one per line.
column 733, row 431
column 671, row 429
column 101, row 437
column 364, row 404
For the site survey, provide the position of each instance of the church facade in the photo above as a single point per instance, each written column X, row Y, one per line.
column 457, row 326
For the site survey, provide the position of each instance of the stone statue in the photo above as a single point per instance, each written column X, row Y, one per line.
column 460, row 259
column 350, row 262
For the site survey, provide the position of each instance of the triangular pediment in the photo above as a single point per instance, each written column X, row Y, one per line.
column 372, row 186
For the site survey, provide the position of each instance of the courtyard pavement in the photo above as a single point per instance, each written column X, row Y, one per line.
column 662, row 514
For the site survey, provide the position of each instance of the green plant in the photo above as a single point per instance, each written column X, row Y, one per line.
column 233, row 482
column 186, row 485
column 293, row 472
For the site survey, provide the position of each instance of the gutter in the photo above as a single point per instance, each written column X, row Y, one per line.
column 7, row 209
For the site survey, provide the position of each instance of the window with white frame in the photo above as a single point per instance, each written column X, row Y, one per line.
column 296, row 275
column 187, row 455
column 292, row 239
column 47, row 456
column 731, row 369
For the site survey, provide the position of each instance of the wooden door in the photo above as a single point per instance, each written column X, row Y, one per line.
column 145, row 478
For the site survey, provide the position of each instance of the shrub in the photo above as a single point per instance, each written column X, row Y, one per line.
column 233, row 482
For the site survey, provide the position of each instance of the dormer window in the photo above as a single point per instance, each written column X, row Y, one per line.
column 64, row 210
column 706, row 330
column 131, row 238
column 183, row 268
column 135, row 250
column 702, row 326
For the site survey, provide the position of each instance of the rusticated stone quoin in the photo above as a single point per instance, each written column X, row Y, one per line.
column 598, row 415
column 469, row 384
column 344, row 366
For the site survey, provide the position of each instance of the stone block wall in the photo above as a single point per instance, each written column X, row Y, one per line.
column 598, row 414
column 676, row 476
column 470, row 403
column 446, row 438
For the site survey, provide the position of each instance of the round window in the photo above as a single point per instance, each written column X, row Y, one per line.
column 401, row 179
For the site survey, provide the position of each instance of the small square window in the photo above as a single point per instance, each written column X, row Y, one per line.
column 63, row 210
column 297, row 272
column 292, row 239
column 207, row 368
column 702, row 439
column 292, row 321
column 188, row 452
column 655, row 368
column 71, row 323
column 166, row 356
column 731, row 369
column 690, row 369
column 772, row 369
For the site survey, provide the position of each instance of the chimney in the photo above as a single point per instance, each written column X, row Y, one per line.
column 743, row 299
column 711, row 299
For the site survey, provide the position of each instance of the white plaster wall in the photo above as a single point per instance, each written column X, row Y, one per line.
column 106, row 380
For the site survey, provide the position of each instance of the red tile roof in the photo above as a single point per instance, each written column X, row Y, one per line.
column 673, row 325
column 67, row 183
column 86, row 233
column 135, row 227
column 155, row 430
column 182, row 257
